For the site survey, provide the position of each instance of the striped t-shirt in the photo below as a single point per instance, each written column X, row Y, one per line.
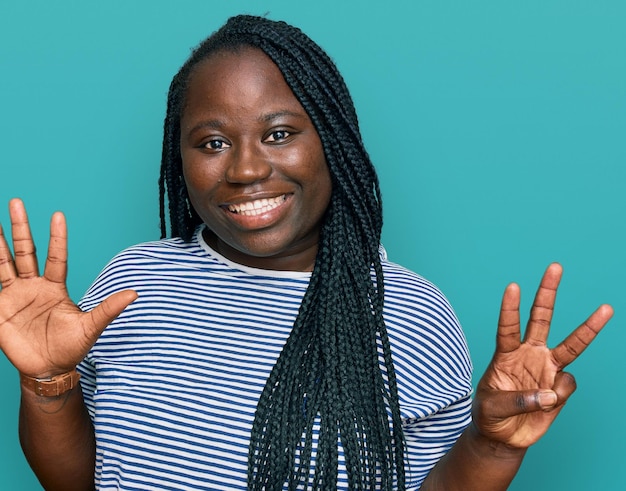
column 173, row 383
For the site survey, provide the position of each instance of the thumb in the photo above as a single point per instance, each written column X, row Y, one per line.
column 505, row 404
column 109, row 309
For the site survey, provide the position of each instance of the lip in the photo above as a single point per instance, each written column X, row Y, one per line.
column 257, row 206
column 258, row 212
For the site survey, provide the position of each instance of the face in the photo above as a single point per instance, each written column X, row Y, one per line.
column 253, row 162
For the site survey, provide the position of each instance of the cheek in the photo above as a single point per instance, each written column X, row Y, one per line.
column 188, row 169
column 323, row 178
column 197, row 175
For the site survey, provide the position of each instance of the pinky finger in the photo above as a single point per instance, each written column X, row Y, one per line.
column 7, row 266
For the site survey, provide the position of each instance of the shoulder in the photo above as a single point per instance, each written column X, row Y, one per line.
column 152, row 256
column 143, row 262
column 164, row 250
column 403, row 286
column 428, row 344
column 407, row 291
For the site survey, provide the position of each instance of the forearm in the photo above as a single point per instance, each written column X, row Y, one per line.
column 58, row 441
column 475, row 463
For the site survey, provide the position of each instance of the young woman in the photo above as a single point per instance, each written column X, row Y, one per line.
column 269, row 343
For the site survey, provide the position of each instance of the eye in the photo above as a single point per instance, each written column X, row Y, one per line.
column 277, row 136
column 215, row 144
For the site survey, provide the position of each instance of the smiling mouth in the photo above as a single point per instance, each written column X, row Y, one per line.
column 257, row 207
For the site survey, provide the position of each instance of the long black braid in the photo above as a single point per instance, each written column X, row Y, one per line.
column 335, row 371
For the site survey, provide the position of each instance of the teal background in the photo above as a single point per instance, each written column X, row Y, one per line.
column 498, row 129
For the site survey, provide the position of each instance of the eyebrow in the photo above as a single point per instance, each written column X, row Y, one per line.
column 266, row 118
column 214, row 124
column 217, row 124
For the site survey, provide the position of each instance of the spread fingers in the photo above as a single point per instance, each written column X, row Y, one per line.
column 7, row 266
column 23, row 246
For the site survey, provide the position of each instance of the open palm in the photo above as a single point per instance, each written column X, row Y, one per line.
column 42, row 332
column 524, row 388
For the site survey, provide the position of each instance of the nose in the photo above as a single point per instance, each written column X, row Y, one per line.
column 248, row 164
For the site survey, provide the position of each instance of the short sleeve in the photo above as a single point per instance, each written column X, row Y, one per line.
column 433, row 369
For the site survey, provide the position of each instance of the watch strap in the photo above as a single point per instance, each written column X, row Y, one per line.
column 53, row 386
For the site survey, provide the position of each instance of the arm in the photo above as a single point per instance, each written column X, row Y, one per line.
column 58, row 440
column 475, row 463
column 43, row 333
column 519, row 396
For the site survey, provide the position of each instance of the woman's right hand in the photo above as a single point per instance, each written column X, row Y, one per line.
column 42, row 332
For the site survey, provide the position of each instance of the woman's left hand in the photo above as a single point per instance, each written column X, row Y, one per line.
column 524, row 388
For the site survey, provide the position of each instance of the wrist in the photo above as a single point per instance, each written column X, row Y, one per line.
column 494, row 448
column 51, row 386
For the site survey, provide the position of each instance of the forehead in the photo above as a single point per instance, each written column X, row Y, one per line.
column 240, row 76
column 232, row 58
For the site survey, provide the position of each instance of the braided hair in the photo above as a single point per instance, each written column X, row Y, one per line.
column 335, row 375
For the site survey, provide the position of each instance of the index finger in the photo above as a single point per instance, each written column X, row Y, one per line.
column 23, row 245
column 574, row 344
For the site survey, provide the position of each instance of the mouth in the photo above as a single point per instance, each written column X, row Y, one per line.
column 257, row 207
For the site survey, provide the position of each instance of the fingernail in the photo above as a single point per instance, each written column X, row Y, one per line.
column 547, row 399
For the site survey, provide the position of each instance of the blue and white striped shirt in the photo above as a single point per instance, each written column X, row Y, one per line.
column 173, row 383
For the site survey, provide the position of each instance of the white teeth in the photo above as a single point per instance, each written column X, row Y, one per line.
column 257, row 207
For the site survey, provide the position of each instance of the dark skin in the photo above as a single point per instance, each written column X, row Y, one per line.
column 43, row 333
column 519, row 396
column 246, row 143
